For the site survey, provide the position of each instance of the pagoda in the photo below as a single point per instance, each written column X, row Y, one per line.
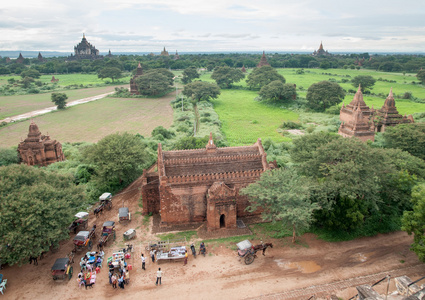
column 176, row 56
column 85, row 50
column 40, row 57
column 243, row 69
column 321, row 51
column 164, row 52
column 347, row 112
column 358, row 127
column 133, row 86
column 38, row 149
column 20, row 59
column 263, row 61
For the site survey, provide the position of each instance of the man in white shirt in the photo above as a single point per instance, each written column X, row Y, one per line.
column 143, row 261
column 158, row 276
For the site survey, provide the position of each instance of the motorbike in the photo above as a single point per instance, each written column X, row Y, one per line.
column 192, row 247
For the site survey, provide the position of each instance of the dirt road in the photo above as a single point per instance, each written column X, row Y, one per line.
column 285, row 272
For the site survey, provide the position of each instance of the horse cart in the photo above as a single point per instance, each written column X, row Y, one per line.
column 105, row 202
column 248, row 252
column 84, row 239
column 80, row 222
column 108, row 231
column 124, row 215
column 62, row 269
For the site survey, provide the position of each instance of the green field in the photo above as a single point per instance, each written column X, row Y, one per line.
column 92, row 121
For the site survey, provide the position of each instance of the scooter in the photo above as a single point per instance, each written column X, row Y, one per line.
column 192, row 247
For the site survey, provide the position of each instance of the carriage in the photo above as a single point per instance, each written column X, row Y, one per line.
column 81, row 222
column 248, row 252
column 106, row 200
column 129, row 234
column 84, row 238
column 108, row 231
column 62, row 269
column 124, row 215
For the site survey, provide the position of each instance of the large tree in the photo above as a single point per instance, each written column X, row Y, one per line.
column 407, row 137
column 421, row 76
column 154, row 82
column 59, row 99
column 278, row 91
column 119, row 159
column 259, row 77
column 366, row 82
column 283, row 195
column 189, row 74
column 8, row 156
column 201, row 90
column 30, row 73
column 324, row 94
column 225, row 76
column 36, row 208
column 414, row 221
column 110, row 72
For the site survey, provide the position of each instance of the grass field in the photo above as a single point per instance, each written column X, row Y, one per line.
column 244, row 120
column 92, row 121
column 19, row 104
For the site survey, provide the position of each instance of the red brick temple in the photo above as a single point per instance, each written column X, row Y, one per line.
column 133, row 86
column 38, row 149
column 263, row 61
column 202, row 185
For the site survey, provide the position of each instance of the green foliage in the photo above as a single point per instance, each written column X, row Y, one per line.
column 167, row 134
column 110, row 72
column 36, row 207
column 260, row 77
column 407, row 137
column 414, row 221
column 226, row 76
column 59, row 99
column 365, row 81
column 189, row 74
column 30, row 73
column 324, row 94
column 421, row 76
column 201, row 90
column 284, row 196
column 278, row 92
column 154, row 82
column 8, row 156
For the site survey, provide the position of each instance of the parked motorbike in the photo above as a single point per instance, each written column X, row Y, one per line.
column 192, row 247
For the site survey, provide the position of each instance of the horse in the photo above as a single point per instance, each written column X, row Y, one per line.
column 98, row 210
column 263, row 246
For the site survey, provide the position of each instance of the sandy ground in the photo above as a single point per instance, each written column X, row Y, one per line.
column 320, row 266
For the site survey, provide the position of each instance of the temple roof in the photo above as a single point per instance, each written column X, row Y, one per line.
column 358, row 99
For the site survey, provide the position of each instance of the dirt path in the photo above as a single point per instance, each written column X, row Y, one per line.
column 52, row 108
column 286, row 272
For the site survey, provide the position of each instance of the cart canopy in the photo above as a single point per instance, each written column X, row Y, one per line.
column 244, row 245
column 60, row 264
column 81, row 215
column 82, row 236
column 108, row 223
column 123, row 212
column 105, row 196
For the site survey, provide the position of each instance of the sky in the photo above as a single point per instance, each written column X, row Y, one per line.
column 214, row 25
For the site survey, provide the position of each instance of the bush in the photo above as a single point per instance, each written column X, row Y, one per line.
column 161, row 131
column 291, row 125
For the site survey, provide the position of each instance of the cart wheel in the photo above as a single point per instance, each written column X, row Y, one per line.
column 90, row 245
column 147, row 248
column 55, row 277
column 249, row 259
column 71, row 271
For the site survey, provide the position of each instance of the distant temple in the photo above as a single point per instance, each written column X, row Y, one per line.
column 85, row 50
column 109, row 53
column 133, row 86
column 358, row 120
column 53, row 80
column 321, row 51
column 243, row 69
column 202, row 185
column 176, row 56
column 40, row 57
column 38, row 149
column 164, row 52
column 263, row 61
column 20, row 59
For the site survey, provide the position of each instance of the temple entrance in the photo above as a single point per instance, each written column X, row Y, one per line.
column 222, row 221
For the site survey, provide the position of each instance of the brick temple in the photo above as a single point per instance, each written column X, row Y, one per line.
column 133, row 86
column 202, row 185
column 321, row 51
column 358, row 120
column 38, row 149
column 85, row 50
column 263, row 61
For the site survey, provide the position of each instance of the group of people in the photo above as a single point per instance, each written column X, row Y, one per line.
column 89, row 267
column 118, row 277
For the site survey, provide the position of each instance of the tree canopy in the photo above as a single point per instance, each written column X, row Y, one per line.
column 421, row 76
column 154, row 82
column 407, row 137
column 189, row 74
column 324, row 94
column 278, row 92
column 59, row 99
column 30, row 73
column 365, row 81
column 284, row 196
column 260, row 77
column 110, row 72
column 226, row 76
column 201, row 90
column 36, row 208
column 8, row 156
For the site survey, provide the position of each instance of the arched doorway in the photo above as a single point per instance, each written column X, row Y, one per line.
column 222, row 221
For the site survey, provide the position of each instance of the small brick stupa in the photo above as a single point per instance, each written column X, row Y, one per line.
column 133, row 86
column 38, row 149
column 263, row 61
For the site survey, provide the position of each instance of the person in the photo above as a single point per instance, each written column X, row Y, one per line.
column 202, row 248
column 185, row 257
column 98, row 261
column 121, row 282
column 101, row 253
column 158, row 276
column 110, row 276
column 80, row 280
column 114, row 281
column 153, row 255
column 143, row 261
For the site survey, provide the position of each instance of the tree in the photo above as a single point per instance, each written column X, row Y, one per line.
column 365, row 81
column 421, row 76
column 8, row 156
column 110, row 72
column 30, row 73
column 225, row 76
column 278, row 91
column 201, row 90
column 284, row 196
column 36, row 208
column 259, row 77
column 119, row 159
column 189, row 74
column 59, row 99
column 407, row 137
column 153, row 83
column 324, row 94
column 414, row 221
